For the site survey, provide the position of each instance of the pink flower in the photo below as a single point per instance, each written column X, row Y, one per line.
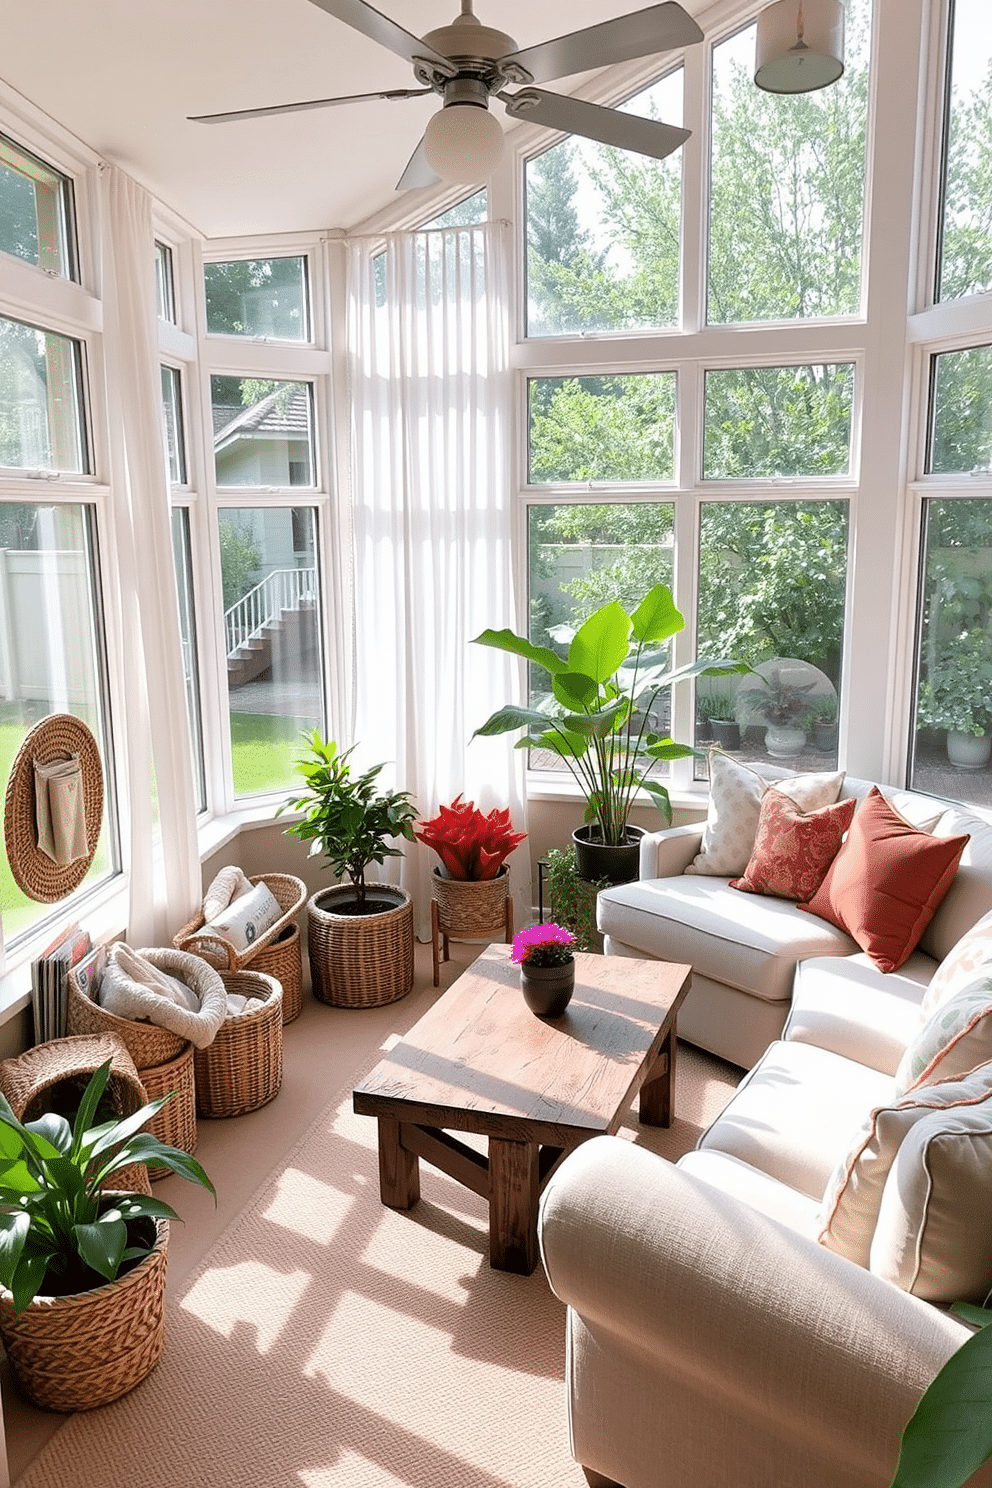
column 543, row 945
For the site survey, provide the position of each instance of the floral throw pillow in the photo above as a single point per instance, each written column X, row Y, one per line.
column 972, row 952
column 793, row 848
column 956, row 1037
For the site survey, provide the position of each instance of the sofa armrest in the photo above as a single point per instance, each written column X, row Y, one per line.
column 668, row 853
column 736, row 1329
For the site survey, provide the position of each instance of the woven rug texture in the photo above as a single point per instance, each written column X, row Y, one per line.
column 328, row 1342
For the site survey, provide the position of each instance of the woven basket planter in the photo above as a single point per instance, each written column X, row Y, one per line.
column 175, row 1124
column 242, row 1069
column 360, row 960
column 468, row 909
column 283, row 959
column 289, row 893
column 53, row 1076
column 73, row 1353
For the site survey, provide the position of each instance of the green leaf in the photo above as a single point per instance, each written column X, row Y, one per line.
column 17, row 1178
column 656, row 618
column 14, row 1230
column 101, row 1245
column 949, row 1434
column 659, row 796
column 506, row 640
column 87, row 1109
column 511, row 717
column 575, row 690
column 600, row 646
column 28, row 1278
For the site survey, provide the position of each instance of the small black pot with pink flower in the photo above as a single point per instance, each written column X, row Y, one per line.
column 547, row 968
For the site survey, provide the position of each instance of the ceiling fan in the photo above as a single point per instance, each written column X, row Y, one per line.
column 467, row 63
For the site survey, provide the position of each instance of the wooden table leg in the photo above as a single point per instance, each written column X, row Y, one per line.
column 657, row 1098
column 514, row 1185
column 434, row 931
column 399, row 1170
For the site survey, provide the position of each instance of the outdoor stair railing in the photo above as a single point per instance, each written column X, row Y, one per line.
column 263, row 607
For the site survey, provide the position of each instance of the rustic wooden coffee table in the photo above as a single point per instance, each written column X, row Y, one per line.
column 479, row 1061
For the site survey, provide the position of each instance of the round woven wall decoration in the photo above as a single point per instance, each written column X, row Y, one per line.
column 55, row 737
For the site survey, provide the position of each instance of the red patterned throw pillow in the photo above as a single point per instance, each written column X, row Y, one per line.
column 793, row 848
column 886, row 882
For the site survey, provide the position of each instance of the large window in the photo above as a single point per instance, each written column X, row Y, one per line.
column 961, row 411
column 604, row 230
column 263, row 432
column 41, row 419
column 778, row 421
column 602, row 428
column 787, row 187
column 265, row 297
column 964, row 263
column 35, row 211
column 50, row 656
column 272, row 646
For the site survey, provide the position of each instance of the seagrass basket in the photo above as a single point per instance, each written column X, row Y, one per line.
column 73, row 1353
column 468, row 909
column 52, row 1077
column 242, row 1069
column 289, row 893
column 147, row 1043
column 175, row 1124
column 283, row 959
column 360, row 960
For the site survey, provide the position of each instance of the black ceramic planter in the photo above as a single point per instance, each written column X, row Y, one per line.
column 547, row 989
column 726, row 733
column 597, row 860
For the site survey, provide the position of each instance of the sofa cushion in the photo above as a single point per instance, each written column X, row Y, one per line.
column 933, row 1236
column 853, row 1194
column 970, row 894
column 749, row 942
column 793, row 848
column 794, row 1112
column 847, row 1005
column 735, row 795
column 886, row 882
column 760, row 1192
column 954, row 1039
column 972, row 952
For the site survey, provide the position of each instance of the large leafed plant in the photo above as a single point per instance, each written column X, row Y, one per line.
column 597, row 716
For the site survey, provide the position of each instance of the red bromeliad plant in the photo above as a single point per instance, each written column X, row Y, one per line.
column 470, row 845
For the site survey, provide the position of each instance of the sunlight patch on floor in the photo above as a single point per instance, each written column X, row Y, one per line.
column 249, row 1293
column 308, row 1207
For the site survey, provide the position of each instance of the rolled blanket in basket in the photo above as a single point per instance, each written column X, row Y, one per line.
column 246, row 918
column 142, row 986
column 226, row 885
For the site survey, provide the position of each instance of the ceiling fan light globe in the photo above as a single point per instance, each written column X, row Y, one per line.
column 463, row 143
column 800, row 46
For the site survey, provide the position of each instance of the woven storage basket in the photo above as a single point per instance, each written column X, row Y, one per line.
column 147, row 1044
column 175, row 1124
column 468, row 909
column 73, row 1353
column 360, row 960
column 283, row 959
column 289, row 893
column 242, row 1069
column 53, row 1076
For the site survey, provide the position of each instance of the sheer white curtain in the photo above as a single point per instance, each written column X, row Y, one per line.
column 431, row 520
column 165, row 876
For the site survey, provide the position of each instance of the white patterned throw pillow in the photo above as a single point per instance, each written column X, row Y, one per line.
column 971, row 954
column 956, row 1037
column 734, row 809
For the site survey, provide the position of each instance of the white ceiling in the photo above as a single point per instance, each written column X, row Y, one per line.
column 122, row 75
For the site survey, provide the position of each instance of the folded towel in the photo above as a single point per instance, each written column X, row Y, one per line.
column 136, row 985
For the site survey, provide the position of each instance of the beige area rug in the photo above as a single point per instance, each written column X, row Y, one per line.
column 327, row 1342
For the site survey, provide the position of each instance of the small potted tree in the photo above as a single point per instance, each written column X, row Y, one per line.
column 82, row 1266
column 470, row 889
column 359, row 934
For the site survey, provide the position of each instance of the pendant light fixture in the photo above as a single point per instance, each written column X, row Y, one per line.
column 800, row 46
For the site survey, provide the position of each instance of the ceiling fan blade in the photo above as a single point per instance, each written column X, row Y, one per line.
column 419, row 172
column 609, row 126
column 657, row 29
column 377, row 27
column 297, row 108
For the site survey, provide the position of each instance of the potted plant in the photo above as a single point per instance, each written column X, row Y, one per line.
column 826, row 725
column 573, row 899
column 956, row 695
column 545, row 954
column 470, row 887
column 77, row 1259
column 782, row 702
column 596, row 719
column 359, row 934
column 947, row 1437
column 715, row 715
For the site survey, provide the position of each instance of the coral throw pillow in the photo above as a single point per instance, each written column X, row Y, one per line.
column 793, row 848
column 886, row 882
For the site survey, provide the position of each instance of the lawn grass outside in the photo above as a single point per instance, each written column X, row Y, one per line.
column 264, row 751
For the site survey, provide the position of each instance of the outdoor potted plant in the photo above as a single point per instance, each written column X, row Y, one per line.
column 715, row 719
column 956, row 695
column 545, row 954
column 779, row 700
column 83, row 1266
column 470, row 887
column 826, row 725
column 359, row 934
column 596, row 720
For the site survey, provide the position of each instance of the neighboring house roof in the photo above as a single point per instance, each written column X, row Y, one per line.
column 274, row 415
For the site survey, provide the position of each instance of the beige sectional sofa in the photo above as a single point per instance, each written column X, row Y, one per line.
column 767, row 1312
